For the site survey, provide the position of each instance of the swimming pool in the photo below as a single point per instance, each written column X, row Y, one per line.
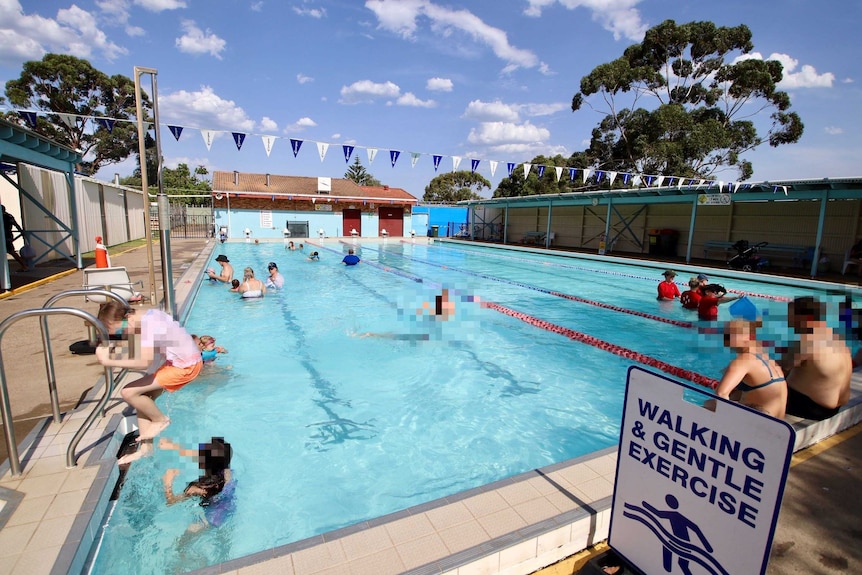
column 329, row 428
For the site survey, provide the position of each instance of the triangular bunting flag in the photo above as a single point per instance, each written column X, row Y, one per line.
column 295, row 145
column 626, row 178
column 473, row 165
column 511, row 167
column 107, row 123
column 540, row 169
column 585, row 175
column 238, row 139
column 456, row 161
column 659, row 180
column 611, row 177
column 572, row 172
column 393, row 156
column 493, row 165
column 527, row 170
column 208, row 136
column 599, row 175
column 322, row 147
column 268, row 141
column 649, row 180
column 372, row 153
column 437, row 159
column 348, row 151
column 176, row 131
column 414, row 157
column 29, row 117
column 68, row 119
column 636, row 180
column 558, row 171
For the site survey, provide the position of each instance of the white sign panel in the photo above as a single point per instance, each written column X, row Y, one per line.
column 697, row 491
column 713, row 199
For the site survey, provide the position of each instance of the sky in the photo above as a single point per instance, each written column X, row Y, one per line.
column 487, row 80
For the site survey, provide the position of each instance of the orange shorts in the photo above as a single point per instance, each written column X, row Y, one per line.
column 172, row 378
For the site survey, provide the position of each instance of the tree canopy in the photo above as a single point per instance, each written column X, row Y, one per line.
column 63, row 84
column 456, row 186
column 700, row 120
column 360, row 175
column 181, row 181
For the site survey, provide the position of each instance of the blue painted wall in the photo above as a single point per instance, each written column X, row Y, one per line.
column 447, row 217
column 331, row 223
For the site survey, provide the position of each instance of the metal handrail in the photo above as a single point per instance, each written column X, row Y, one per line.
column 5, row 407
column 46, row 340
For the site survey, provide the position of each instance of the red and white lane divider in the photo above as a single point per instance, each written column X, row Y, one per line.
column 606, row 346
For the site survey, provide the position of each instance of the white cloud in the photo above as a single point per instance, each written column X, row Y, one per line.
column 498, row 111
column 196, row 41
column 491, row 111
column 256, row 6
column 30, row 36
column 312, row 12
column 497, row 133
column 439, row 84
column 401, row 17
column 409, row 99
column 366, row 91
column 833, row 130
column 806, row 77
column 303, row 79
column 204, row 109
column 335, row 136
column 300, row 125
column 116, row 12
column 160, row 5
column 847, row 81
column 617, row 16
column 268, row 125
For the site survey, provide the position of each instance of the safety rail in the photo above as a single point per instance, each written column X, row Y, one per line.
column 5, row 404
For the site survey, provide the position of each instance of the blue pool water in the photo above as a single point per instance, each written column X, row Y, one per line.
column 330, row 428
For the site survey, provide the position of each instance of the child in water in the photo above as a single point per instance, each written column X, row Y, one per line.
column 215, row 486
column 209, row 350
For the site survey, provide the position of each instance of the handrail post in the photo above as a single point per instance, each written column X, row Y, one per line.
column 46, row 341
column 5, row 407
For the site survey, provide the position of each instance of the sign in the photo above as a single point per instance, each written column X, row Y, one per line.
column 697, row 491
column 713, row 199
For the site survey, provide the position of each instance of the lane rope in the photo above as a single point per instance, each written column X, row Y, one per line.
column 593, row 270
column 618, row 350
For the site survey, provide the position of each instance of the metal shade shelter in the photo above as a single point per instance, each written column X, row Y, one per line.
column 20, row 145
column 822, row 190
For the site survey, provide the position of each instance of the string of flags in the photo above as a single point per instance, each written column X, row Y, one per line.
column 601, row 176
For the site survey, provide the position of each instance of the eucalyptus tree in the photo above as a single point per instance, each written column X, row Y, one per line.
column 683, row 102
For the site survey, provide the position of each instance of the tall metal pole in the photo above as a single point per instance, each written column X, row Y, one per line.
column 164, row 212
column 142, row 152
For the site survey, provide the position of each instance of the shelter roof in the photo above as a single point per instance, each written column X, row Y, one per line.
column 267, row 185
column 25, row 145
column 773, row 190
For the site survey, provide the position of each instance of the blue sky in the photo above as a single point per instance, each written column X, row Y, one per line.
column 477, row 79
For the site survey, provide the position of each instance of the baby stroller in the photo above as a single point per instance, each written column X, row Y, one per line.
column 746, row 258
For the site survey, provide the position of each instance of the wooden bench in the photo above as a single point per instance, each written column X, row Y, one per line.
column 536, row 238
column 716, row 246
column 799, row 255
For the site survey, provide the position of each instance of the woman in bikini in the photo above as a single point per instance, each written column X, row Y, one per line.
column 752, row 375
column 251, row 286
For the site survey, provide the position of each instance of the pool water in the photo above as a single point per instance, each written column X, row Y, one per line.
column 334, row 421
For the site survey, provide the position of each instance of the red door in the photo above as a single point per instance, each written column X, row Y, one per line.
column 351, row 220
column 391, row 219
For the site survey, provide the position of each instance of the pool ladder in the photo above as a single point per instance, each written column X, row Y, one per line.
column 43, row 313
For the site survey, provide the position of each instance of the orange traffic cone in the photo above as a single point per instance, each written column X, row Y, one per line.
column 102, row 259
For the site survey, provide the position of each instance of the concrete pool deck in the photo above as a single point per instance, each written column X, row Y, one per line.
column 517, row 525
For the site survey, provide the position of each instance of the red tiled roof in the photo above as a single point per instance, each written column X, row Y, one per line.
column 269, row 184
